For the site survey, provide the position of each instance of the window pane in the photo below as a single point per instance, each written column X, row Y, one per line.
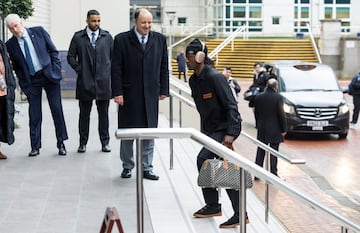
column 238, row 23
column 239, row 12
column 305, row 1
column 227, row 23
column 227, row 12
column 255, row 23
column 303, row 23
column 275, row 20
column 182, row 20
column 295, row 12
column 342, row 12
column 255, row 1
column 342, row 1
column 328, row 1
column 328, row 13
column 255, row 12
column 304, row 12
column 239, row 1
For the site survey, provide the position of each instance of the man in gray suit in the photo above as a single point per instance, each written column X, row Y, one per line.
column 139, row 79
column 90, row 56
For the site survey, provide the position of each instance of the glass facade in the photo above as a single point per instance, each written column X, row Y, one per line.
column 238, row 13
column 301, row 15
column 338, row 9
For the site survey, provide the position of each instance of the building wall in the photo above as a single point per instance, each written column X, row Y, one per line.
column 68, row 16
column 281, row 9
column 62, row 18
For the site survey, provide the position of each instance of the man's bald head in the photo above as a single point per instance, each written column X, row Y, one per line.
column 273, row 84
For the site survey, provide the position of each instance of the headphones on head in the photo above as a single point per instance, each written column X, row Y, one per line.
column 200, row 55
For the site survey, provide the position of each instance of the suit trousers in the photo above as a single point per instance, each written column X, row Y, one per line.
column 53, row 93
column 211, row 195
column 260, row 155
column 84, row 120
column 127, row 154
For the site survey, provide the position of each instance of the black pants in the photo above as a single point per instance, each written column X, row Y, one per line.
column 3, row 119
column 211, row 196
column 356, row 101
column 184, row 73
column 260, row 155
column 84, row 120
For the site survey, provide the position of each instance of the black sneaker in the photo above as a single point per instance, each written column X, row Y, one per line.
column 233, row 222
column 208, row 211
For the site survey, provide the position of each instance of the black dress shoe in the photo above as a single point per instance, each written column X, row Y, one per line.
column 62, row 150
column 34, row 152
column 82, row 149
column 105, row 148
column 126, row 173
column 150, row 175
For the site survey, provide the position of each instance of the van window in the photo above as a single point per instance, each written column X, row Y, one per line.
column 316, row 79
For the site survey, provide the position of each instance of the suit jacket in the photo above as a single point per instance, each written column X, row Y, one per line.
column 47, row 54
column 270, row 116
column 93, row 67
column 141, row 76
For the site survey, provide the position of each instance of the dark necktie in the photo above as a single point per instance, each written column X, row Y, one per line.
column 28, row 57
column 93, row 40
column 143, row 44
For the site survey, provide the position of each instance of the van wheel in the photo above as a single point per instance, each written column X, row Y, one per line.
column 342, row 135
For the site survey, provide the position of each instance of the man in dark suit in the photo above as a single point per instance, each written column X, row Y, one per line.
column 37, row 65
column 139, row 79
column 270, row 122
column 90, row 56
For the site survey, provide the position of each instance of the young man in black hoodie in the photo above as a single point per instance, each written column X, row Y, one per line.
column 220, row 120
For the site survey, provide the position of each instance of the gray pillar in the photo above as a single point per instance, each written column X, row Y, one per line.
column 329, row 43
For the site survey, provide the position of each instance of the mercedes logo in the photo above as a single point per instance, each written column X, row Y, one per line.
column 317, row 112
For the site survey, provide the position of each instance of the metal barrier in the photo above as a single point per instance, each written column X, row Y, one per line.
column 212, row 145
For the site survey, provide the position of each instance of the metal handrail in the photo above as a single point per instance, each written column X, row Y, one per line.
column 179, row 85
column 229, row 39
column 217, row 148
column 171, row 46
column 313, row 43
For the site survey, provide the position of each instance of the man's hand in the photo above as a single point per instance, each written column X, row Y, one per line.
column 119, row 100
column 228, row 141
column 162, row 97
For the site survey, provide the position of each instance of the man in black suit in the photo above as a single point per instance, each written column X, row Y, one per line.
column 270, row 122
column 139, row 79
column 37, row 65
column 90, row 56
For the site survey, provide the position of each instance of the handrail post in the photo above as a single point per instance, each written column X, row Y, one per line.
column 267, row 167
column 139, row 187
column 180, row 110
column 171, row 120
column 242, row 202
